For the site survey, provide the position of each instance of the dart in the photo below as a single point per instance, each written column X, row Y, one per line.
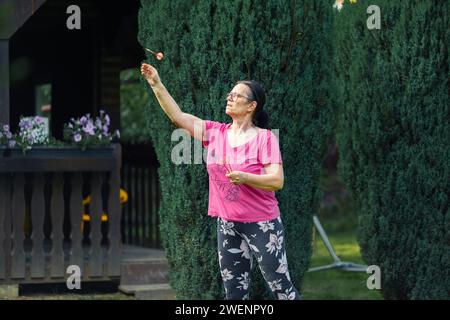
column 224, row 164
column 158, row 55
column 227, row 165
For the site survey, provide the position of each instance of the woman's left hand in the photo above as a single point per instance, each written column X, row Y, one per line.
column 236, row 177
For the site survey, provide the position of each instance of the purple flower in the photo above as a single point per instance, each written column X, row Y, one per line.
column 38, row 120
column 77, row 137
column 98, row 123
column 30, row 139
column 83, row 120
column 89, row 128
column 5, row 128
column 25, row 124
column 8, row 135
column 105, row 129
column 12, row 143
column 107, row 120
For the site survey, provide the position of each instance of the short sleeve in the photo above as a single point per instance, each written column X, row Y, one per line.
column 269, row 149
column 212, row 128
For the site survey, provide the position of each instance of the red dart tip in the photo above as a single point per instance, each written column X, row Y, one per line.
column 159, row 56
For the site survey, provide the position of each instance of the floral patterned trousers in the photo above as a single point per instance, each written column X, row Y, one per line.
column 238, row 242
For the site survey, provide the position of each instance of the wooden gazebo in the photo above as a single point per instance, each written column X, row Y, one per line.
column 41, row 193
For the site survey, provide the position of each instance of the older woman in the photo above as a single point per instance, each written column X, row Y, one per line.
column 245, row 168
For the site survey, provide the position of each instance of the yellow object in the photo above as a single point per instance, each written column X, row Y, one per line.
column 123, row 196
column 86, row 217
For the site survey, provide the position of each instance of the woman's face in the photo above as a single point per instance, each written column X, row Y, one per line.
column 239, row 102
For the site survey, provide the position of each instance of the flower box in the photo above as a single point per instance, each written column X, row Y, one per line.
column 83, row 133
column 67, row 158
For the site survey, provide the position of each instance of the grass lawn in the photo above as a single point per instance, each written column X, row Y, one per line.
column 334, row 284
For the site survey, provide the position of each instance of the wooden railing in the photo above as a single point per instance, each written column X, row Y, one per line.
column 41, row 226
column 140, row 218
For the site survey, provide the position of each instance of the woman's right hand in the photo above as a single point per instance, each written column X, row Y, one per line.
column 150, row 74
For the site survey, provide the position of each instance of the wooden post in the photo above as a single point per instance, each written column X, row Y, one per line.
column 57, row 214
column 114, row 217
column 96, row 210
column 18, row 209
column 38, row 215
column 76, row 210
column 3, row 213
column 5, row 219
column 4, row 82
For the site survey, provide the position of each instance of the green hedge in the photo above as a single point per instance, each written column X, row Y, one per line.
column 208, row 46
column 393, row 87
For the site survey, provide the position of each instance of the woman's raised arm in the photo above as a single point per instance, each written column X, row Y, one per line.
column 194, row 125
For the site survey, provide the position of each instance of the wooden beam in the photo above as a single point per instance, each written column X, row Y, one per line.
column 4, row 82
column 15, row 13
column 110, row 88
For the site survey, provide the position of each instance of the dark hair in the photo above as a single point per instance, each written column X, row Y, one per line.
column 258, row 94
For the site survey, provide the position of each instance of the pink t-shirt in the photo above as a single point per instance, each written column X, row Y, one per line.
column 239, row 202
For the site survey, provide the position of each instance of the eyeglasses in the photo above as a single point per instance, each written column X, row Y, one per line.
column 232, row 96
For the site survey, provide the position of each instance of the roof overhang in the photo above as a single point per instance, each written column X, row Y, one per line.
column 14, row 13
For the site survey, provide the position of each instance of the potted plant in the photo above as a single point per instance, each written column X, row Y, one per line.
column 87, row 132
